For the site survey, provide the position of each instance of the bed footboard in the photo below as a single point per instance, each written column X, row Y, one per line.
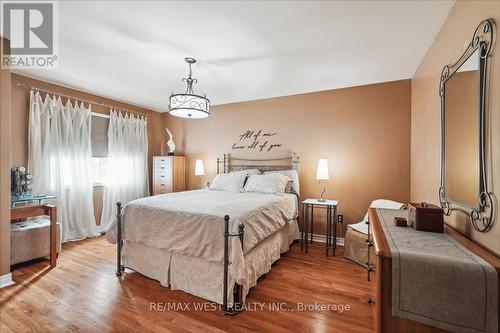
column 237, row 305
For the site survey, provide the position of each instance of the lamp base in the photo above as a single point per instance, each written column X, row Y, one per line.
column 322, row 192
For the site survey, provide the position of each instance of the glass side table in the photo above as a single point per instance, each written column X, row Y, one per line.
column 31, row 210
column 27, row 198
column 331, row 223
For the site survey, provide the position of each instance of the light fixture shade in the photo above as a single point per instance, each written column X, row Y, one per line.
column 322, row 171
column 199, row 170
column 189, row 106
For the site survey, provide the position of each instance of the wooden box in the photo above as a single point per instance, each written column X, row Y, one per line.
column 425, row 217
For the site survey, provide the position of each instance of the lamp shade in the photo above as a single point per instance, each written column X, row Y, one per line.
column 199, row 170
column 322, row 171
column 189, row 106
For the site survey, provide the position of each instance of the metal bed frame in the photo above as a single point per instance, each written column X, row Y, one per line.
column 224, row 165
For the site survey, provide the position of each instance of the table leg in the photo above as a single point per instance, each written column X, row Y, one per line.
column 334, row 229
column 332, row 224
column 327, row 242
column 302, row 225
column 306, row 228
column 312, row 223
column 53, row 235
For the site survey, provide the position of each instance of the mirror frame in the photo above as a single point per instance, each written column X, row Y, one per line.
column 481, row 217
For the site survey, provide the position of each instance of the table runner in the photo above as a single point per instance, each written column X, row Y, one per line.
column 437, row 281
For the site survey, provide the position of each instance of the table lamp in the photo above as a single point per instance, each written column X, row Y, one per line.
column 199, row 170
column 322, row 174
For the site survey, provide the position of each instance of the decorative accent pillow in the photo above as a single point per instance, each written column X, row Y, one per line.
column 228, row 181
column 271, row 183
column 292, row 174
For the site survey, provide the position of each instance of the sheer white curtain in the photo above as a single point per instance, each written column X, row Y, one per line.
column 60, row 162
column 127, row 175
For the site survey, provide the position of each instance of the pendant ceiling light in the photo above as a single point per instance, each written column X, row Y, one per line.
column 189, row 105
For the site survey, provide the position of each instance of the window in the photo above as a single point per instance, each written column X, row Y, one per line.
column 99, row 170
column 99, row 142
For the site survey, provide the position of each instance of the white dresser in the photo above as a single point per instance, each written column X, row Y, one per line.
column 169, row 174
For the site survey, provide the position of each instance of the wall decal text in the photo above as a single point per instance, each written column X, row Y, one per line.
column 255, row 140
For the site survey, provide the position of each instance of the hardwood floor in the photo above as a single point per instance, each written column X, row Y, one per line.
column 82, row 294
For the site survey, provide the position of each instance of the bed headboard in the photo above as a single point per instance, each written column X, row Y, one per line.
column 229, row 163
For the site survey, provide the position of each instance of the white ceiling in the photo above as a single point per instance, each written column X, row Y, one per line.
column 134, row 51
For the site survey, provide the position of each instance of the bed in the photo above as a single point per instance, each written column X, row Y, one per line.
column 209, row 243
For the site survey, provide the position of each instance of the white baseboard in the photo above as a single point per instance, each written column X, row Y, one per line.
column 6, row 280
column 322, row 239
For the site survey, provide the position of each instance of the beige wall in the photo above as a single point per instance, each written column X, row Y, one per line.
column 19, row 123
column 5, row 148
column 425, row 120
column 364, row 132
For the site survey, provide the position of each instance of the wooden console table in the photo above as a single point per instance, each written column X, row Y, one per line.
column 30, row 211
column 384, row 320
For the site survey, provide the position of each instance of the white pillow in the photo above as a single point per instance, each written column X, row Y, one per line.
column 248, row 172
column 228, row 181
column 272, row 183
column 292, row 174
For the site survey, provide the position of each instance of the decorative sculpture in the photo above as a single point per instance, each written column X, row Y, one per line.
column 170, row 142
column 20, row 181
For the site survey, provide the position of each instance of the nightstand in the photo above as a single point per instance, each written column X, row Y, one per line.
column 331, row 223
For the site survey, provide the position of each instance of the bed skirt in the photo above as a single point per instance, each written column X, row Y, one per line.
column 203, row 278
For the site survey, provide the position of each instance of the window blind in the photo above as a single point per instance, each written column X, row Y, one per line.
column 99, row 136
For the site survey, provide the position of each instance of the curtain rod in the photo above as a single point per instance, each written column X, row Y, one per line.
column 24, row 85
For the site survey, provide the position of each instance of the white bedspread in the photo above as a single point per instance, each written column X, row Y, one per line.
column 192, row 223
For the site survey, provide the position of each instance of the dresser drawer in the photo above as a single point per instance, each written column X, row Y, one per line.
column 161, row 191
column 162, row 159
column 162, row 177
column 162, row 187
column 162, row 167
column 162, row 163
